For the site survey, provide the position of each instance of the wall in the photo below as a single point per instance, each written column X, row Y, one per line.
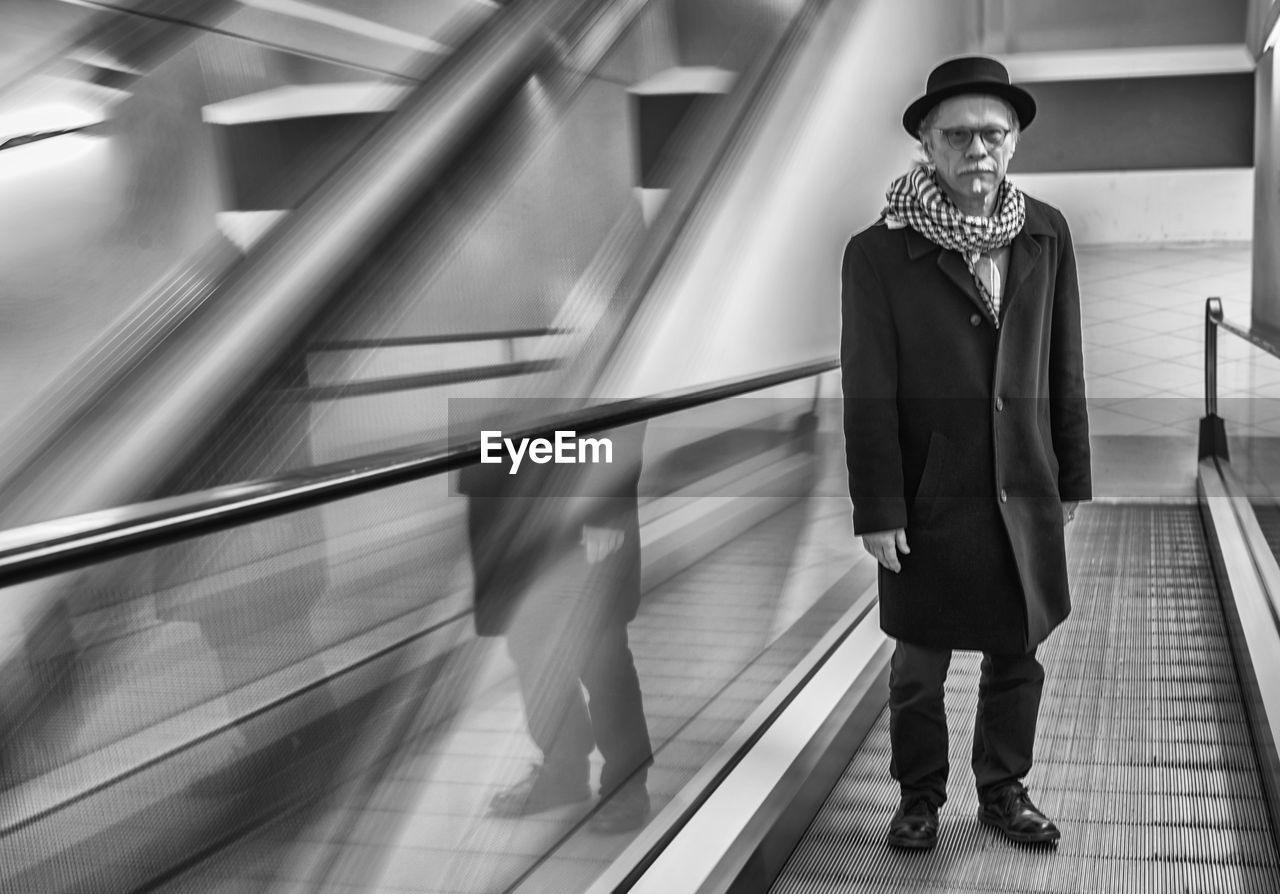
column 95, row 221
column 1144, row 159
column 1162, row 158
column 92, row 221
column 1109, row 124
column 1109, row 207
column 703, row 27
column 575, row 179
column 759, row 287
column 1037, row 25
column 1266, row 219
column 34, row 32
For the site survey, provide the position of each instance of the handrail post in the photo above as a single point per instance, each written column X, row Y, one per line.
column 1213, row 431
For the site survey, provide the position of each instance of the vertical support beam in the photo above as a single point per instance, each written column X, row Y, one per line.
column 1261, row 17
column 993, row 35
column 1266, row 205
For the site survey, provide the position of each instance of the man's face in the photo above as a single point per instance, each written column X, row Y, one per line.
column 977, row 169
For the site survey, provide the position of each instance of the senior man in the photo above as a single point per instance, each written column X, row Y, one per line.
column 967, row 438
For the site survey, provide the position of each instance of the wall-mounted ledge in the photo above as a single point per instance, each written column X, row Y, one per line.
column 245, row 228
column 686, row 79
column 1145, row 62
column 306, row 101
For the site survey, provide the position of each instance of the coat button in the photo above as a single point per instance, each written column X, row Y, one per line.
column 1004, row 497
column 975, row 320
column 999, row 404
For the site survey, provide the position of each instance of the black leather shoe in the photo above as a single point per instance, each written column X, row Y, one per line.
column 623, row 811
column 544, row 788
column 1010, row 810
column 914, row 824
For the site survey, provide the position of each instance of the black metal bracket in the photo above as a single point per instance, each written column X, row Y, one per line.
column 1213, row 437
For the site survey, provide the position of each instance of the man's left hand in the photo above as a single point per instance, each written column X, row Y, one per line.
column 600, row 543
column 1069, row 512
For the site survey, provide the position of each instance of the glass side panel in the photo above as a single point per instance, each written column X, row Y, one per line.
column 310, row 697
column 1251, row 411
column 1249, row 403
column 354, row 695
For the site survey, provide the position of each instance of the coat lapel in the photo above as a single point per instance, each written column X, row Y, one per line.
column 953, row 265
column 950, row 263
column 1024, row 254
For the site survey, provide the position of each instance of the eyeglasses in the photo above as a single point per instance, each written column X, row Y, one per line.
column 962, row 137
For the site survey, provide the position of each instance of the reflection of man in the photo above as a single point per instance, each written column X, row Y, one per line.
column 253, row 592
column 556, row 552
column 967, row 439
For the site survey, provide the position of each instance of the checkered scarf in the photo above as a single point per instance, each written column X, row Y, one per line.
column 916, row 200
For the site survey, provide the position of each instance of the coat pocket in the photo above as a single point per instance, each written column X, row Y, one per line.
column 931, row 477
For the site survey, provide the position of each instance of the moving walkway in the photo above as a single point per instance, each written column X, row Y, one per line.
column 1156, row 749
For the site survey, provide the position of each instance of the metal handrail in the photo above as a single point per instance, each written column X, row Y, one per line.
column 417, row 341
column 66, row 544
column 1212, row 317
column 1213, row 437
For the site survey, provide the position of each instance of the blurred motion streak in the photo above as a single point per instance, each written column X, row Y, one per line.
column 123, row 454
column 274, row 263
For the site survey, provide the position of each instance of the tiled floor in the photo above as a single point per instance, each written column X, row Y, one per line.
column 1143, row 317
column 1142, row 310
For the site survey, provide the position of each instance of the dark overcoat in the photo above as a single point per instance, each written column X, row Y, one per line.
column 966, row 434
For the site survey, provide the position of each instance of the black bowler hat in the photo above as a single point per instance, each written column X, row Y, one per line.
column 968, row 74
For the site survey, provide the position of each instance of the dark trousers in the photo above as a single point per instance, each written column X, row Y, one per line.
column 555, row 657
column 1004, row 729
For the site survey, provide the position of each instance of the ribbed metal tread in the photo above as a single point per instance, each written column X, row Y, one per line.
column 1143, row 754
